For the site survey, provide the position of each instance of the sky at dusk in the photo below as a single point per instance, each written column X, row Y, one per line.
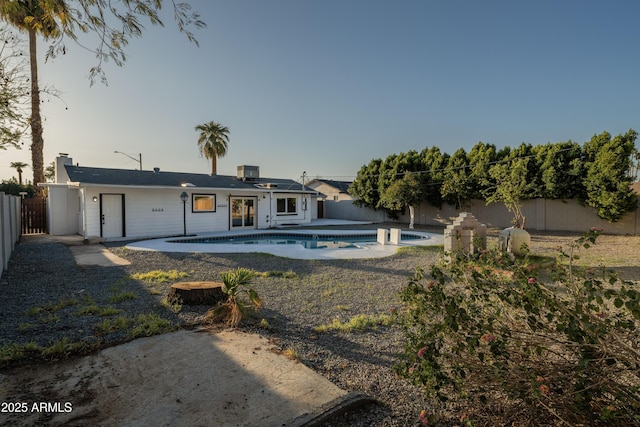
column 323, row 87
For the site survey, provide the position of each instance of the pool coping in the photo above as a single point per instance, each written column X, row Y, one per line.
column 362, row 250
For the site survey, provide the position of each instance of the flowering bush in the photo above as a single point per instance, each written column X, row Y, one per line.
column 554, row 344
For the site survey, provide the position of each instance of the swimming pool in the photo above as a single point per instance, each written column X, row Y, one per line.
column 298, row 244
column 308, row 241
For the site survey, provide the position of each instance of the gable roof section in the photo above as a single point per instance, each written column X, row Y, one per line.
column 127, row 177
column 342, row 186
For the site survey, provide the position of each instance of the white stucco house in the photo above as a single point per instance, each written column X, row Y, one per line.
column 126, row 204
column 334, row 201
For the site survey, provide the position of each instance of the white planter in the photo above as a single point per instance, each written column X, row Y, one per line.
column 512, row 240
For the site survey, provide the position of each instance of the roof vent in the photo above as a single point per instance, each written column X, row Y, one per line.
column 156, row 170
column 248, row 173
column 267, row 185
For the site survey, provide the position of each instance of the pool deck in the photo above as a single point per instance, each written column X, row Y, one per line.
column 363, row 250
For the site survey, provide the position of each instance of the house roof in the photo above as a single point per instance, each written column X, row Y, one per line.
column 342, row 186
column 127, row 177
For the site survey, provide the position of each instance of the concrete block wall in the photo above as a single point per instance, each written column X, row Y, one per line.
column 9, row 227
column 541, row 214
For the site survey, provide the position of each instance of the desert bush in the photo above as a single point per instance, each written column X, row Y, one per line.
column 514, row 341
column 241, row 297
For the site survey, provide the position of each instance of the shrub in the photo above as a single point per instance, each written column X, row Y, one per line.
column 241, row 297
column 551, row 344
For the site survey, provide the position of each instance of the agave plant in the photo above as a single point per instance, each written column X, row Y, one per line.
column 241, row 297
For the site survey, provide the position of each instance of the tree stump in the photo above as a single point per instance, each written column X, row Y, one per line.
column 196, row 293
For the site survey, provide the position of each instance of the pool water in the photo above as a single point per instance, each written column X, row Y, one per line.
column 308, row 241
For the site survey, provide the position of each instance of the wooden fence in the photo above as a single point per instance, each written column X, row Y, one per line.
column 34, row 216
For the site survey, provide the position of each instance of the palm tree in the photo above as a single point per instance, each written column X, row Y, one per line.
column 212, row 142
column 18, row 167
column 35, row 17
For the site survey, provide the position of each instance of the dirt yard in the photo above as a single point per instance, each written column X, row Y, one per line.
column 621, row 253
column 322, row 291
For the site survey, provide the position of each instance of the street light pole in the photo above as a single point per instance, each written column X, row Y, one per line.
column 139, row 159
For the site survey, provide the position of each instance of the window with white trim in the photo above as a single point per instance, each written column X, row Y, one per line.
column 286, row 206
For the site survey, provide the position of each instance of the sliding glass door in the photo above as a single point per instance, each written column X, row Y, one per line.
column 243, row 212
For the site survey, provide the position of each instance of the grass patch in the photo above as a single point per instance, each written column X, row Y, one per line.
column 147, row 325
column 112, row 325
column 51, row 307
column 122, row 296
column 62, row 349
column 13, row 352
column 46, row 317
column 291, row 354
column 264, row 324
column 417, row 250
column 109, row 311
column 359, row 323
column 284, row 274
column 25, row 326
column 334, row 289
column 343, row 307
column 160, row 276
column 89, row 310
column 175, row 306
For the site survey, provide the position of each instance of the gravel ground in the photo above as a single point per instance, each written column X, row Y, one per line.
column 43, row 290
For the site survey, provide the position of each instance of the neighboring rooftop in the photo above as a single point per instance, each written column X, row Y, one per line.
column 343, row 186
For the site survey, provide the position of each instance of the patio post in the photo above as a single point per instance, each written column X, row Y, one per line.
column 184, row 196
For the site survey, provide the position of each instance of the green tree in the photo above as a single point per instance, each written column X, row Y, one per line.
column 36, row 18
column 457, row 188
column 18, row 167
column 533, row 173
column 12, row 187
column 365, row 187
column 394, row 168
column 511, row 187
column 481, row 157
column 562, row 170
column 114, row 24
column 50, row 172
column 433, row 174
column 213, row 142
column 634, row 171
column 607, row 182
column 405, row 192
column 14, row 90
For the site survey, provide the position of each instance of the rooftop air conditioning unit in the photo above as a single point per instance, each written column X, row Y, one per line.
column 248, row 173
